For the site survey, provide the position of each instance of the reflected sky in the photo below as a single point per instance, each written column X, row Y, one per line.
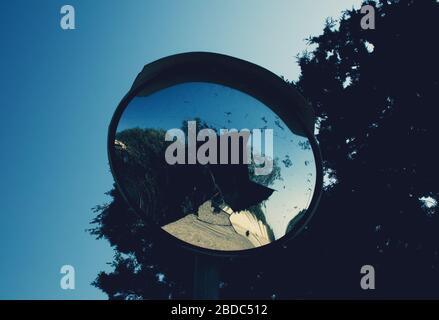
column 223, row 107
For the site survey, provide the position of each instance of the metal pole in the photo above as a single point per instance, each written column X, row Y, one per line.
column 206, row 278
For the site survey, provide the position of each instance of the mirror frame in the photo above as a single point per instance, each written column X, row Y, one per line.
column 277, row 95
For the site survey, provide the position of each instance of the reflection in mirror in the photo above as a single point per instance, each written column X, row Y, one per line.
column 217, row 189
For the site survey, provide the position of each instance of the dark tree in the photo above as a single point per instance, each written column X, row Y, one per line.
column 375, row 93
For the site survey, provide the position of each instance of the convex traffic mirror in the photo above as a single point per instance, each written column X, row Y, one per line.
column 216, row 153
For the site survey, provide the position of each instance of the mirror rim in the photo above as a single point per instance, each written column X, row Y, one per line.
column 276, row 94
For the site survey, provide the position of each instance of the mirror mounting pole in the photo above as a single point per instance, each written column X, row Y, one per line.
column 206, row 277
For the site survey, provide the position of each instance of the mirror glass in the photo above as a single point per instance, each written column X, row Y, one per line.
column 213, row 166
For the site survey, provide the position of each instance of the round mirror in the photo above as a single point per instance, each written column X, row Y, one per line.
column 213, row 166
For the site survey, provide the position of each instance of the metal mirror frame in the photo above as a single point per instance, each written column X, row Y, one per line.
column 279, row 96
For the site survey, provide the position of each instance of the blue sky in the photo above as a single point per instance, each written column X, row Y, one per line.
column 58, row 92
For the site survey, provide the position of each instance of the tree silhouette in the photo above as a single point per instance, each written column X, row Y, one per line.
column 374, row 92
